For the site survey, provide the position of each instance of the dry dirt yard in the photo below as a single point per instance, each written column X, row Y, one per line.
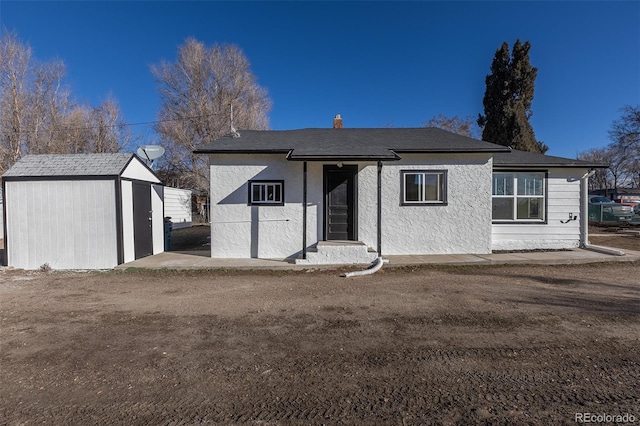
column 409, row 346
column 614, row 237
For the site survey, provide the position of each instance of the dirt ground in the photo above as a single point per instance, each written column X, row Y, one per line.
column 406, row 346
column 612, row 236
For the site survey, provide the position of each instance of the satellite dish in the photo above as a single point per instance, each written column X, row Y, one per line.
column 150, row 152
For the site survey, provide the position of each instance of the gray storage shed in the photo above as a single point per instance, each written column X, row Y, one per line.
column 81, row 211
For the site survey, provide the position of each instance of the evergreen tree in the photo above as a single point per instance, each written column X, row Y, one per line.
column 507, row 100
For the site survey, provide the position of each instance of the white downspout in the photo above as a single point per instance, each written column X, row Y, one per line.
column 584, row 208
column 376, row 265
column 584, row 220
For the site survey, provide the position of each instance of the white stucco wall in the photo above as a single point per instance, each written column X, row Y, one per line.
column 461, row 226
column 67, row 224
column 563, row 197
column 242, row 231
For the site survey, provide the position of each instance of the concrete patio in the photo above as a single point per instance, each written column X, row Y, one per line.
column 201, row 260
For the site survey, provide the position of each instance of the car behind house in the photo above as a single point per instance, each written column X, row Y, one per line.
column 602, row 209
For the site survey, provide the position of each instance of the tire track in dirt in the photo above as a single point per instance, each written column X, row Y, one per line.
column 414, row 388
column 321, row 364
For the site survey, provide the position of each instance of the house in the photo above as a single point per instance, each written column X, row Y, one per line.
column 343, row 195
column 81, row 211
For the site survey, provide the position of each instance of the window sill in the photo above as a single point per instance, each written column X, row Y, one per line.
column 519, row 222
column 435, row 203
column 266, row 204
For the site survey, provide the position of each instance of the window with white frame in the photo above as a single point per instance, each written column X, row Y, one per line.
column 266, row 192
column 423, row 187
column 518, row 196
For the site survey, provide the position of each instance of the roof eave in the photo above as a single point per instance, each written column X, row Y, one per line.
column 342, row 158
column 556, row 165
column 30, row 177
column 241, row 151
column 391, row 156
column 453, row 150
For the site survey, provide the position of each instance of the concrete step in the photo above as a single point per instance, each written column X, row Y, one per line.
column 339, row 253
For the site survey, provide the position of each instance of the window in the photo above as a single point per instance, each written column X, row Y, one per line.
column 266, row 192
column 421, row 187
column 518, row 196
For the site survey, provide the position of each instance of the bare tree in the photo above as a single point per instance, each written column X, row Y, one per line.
column 462, row 126
column 617, row 175
column 108, row 133
column 48, row 103
column 625, row 136
column 38, row 114
column 599, row 180
column 14, row 66
column 197, row 92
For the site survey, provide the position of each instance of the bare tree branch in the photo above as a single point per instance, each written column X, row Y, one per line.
column 196, row 93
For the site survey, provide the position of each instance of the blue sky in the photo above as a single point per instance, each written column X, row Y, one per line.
column 375, row 63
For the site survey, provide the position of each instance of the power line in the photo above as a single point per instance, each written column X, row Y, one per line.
column 142, row 123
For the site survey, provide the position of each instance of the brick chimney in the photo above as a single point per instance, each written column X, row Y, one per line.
column 337, row 122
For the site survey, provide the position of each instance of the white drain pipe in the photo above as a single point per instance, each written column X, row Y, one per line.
column 584, row 220
column 371, row 270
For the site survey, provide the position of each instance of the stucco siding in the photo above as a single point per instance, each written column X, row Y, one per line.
column 368, row 204
column 66, row 224
column 242, row 231
column 463, row 225
column 563, row 198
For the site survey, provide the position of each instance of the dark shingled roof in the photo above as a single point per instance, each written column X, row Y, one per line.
column 345, row 144
column 517, row 158
column 377, row 144
column 69, row 165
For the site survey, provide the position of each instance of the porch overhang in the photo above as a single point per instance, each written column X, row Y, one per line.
column 322, row 155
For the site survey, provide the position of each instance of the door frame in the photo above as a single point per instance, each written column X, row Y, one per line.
column 326, row 170
column 144, row 188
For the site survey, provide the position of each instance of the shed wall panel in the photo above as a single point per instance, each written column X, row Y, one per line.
column 177, row 206
column 65, row 224
column 127, row 221
column 157, row 215
column 137, row 171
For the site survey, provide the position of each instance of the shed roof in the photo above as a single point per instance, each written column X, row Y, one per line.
column 46, row 165
column 356, row 144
